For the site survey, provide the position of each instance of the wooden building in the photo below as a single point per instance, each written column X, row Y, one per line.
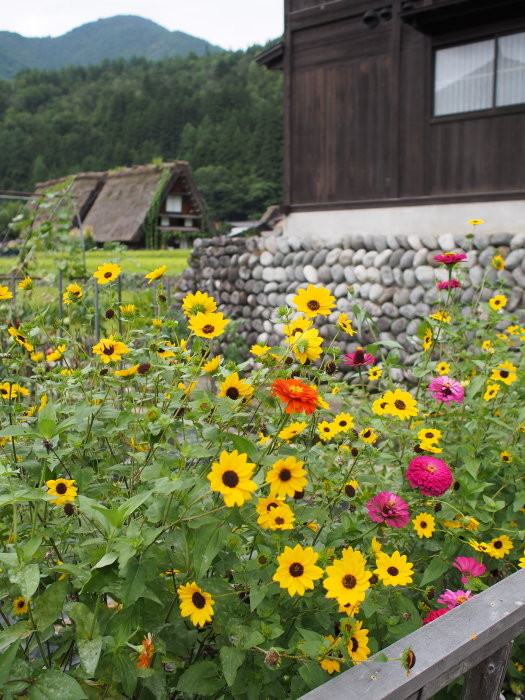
column 145, row 205
column 403, row 116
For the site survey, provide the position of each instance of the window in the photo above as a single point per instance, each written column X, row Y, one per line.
column 174, row 203
column 481, row 75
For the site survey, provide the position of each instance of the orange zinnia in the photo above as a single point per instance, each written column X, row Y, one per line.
column 298, row 396
column 147, row 648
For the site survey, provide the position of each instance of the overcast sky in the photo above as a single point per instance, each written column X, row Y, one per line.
column 232, row 24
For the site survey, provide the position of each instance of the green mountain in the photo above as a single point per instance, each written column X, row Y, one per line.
column 123, row 36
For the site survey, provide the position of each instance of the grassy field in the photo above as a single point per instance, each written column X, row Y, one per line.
column 131, row 261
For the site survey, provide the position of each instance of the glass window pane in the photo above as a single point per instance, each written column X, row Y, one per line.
column 510, row 81
column 464, row 78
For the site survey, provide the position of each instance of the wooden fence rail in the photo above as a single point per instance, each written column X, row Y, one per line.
column 473, row 639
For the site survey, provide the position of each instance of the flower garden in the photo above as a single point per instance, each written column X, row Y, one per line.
column 177, row 524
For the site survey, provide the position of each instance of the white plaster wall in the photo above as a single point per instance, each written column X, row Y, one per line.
column 330, row 226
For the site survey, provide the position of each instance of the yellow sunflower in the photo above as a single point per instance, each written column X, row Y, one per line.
column 110, row 349
column 368, row 435
column 107, row 273
column 347, row 578
column 20, row 339
column 505, row 372
column 441, row 316
column 292, row 430
column 298, row 326
column 281, row 518
column 37, row 356
column 20, row 605
column 429, row 447
column 129, row 372
column 128, row 309
column 499, row 547
column 306, row 345
column 164, row 349
column 286, row 476
column 260, row 351
column 212, row 364
column 56, row 354
column 357, row 643
column 327, row 662
column 394, row 570
column 424, row 525
column 200, row 302
column 343, row 422
column 498, row 302
column 427, row 340
column 351, row 488
column 195, row 604
column 374, row 373
column 5, row 294
column 63, row 489
column 155, row 274
column 232, row 477
column 73, row 292
column 234, row 388
column 208, row 325
column 26, row 283
column 263, row 508
column 491, row 392
column 314, row 301
column 443, row 368
column 498, row 262
column 400, row 404
column 345, row 324
column 326, row 430
column 297, row 569
column 506, row 456
column 429, row 434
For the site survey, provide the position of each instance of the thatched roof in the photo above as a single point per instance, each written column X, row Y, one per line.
column 82, row 191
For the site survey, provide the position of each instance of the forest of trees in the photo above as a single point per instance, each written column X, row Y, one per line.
column 221, row 112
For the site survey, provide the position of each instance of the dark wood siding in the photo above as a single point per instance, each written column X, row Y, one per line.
column 359, row 125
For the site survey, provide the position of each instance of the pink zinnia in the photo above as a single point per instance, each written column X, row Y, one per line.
column 359, row 358
column 388, row 508
column 446, row 389
column 469, row 567
column 430, row 475
column 434, row 614
column 454, row 598
column 450, row 258
column 449, row 284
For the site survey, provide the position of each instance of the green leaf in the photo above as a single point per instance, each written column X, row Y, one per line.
column 434, row 570
column 49, row 604
column 127, row 508
column 55, row 685
column 208, row 542
column 201, row 678
column 14, row 430
column 244, row 446
column 30, row 548
column 257, row 595
column 83, row 619
column 47, row 420
column 14, row 633
column 106, row 560
column 26, row 577
column 312, row 674
column 134, row 585
column 89, row 651
column 7, row 660
column 231, row 660
column 380, row 657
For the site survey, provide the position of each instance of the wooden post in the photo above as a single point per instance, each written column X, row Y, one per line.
column 97, row 320
column 119, row 291
column 60, row 301
column 485, row 679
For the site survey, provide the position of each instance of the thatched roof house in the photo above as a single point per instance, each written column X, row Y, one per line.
column 145, row 205
column 80, row 190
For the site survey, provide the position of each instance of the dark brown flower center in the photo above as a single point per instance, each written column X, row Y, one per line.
column 20, row 604
column 271, row 505
column 108, row 349
column 446, row 391
column 429, row 435
column 285, row 475
column 232, row 392
column 208, row 329
column 367, row 433
column 313, row 305
column 61, row 488
column 400, row 405
column 279, row 520
column 503, row 373
column 21, row 339
column 355, row 644
column 349, row 581
column 230, row 479
column 359, row 356
column 296, row 569
column 498, row 544
column 393, row 571
column 108, row 274
column 350, row 491
column 198, row 600
column 342, row 423
column 423, row 524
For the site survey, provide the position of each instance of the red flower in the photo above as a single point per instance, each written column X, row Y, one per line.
column 450, row 258
column 449, row 284
column 430, row 475
column 434, row 614
column 359, row 358
column 147, row 650
column 388, row 508
column 298, row 396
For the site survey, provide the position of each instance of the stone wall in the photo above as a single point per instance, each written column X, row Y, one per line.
column 392, row 277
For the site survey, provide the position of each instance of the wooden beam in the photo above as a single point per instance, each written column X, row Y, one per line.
column 471, row 635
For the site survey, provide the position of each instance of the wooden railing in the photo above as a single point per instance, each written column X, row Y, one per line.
column 474, row 639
